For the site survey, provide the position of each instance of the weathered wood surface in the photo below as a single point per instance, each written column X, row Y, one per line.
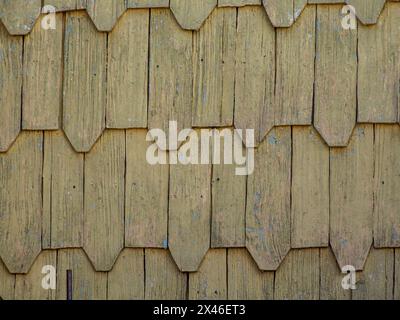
column 210, row 281
column 105, row 13
column 63, row 191
column 379, row 68
column 191, row 14
column 335, row 77
column 214, row 70
column 268, row 201
column 387, row 186
column 29, row 286
column 148, row 3
column 84, row 81
column 126, row 280
column 103, row 224
column 295, row 71
column 255, row 72
column 228, row 201
column 367, row 11
column 245, row 280
column 87, row 284
column 163, row 280
column 7, row 283
column 19, row 16
column 189, row 213
column 10, row 87
column 310, row 190
column 283, row 13
column 237, row 3
column 42, row 90
column 351, row 202
column 298, row 278
column 127, row 77
column 66, row 5
column 21, row 202
column 146, row 197
column 171, row 73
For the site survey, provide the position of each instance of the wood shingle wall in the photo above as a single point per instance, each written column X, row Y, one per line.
column 76, row 191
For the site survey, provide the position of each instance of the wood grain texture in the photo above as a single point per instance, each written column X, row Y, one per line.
column 84, row 81
column 245, row 280
column 228, row 200
column 237, row 3
column 331, row 277
column 62, row 193
column 66, row 5
column 104, row 200
column 268, row 201
column 29, row 286
column 298, row 276
column 255, row 72
column 148, row 3
column 126, row 279
column 127, row 77
column 214, row 70
column 295, row 71
column 10, row 87
column 335, row 77
column 310, row 190
column 386, row 186
column 283, row 13
column 376, row 281
column 21, row 202
column 379, row 59
column 367, row 11
column 7, row 283
column 191, row 14
column 105, row 13
column 42, row 90
column 396, row 275
column 146, row 199
column 163, row 280
column 171, row 72
column 189, row 214
column 87, row 284
column 351, row 201
column 210, row 281
column 19, row 16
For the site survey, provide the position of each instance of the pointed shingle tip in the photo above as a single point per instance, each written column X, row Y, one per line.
column 19, row 16
column 191, row 14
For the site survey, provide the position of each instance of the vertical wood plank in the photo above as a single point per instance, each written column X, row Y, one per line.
column 63, row 187
column 7, row 283
column 268, row 201
column 245, row 280
column 127, row 79
column 105, row 13
column 331, row 278
column 283, row 13
column 351, row 198
column 66, row 5
column 376, row 281
column 42, row 91
column 84, row 81
column 170, row 95
column 29, row 286
column 387, row 186
column 21, row 202
column 189, row 214
column 126, row 279
column 335, row 77
column 295, row 71
column 214, row 70
column 379, row 68
column 396, row 274
column 255, row 72
column 146, row 217
column 367, row 11
column 163, row 279
column 209, row 282
column 10, row 87
column 19, row 16
column 298, row 276
column 87, row 284
column 228, row 201
column 310, row 190
column 191, row 14
column 104, row 200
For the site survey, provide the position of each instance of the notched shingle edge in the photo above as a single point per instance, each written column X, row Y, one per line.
column 19, row 19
